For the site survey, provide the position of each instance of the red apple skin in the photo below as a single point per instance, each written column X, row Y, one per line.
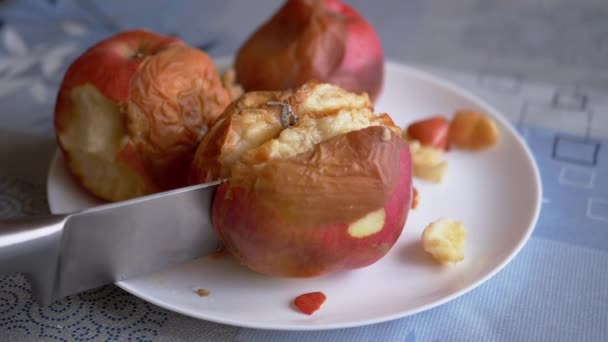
column 260, row 237
column 323, row 40
column 431, row 132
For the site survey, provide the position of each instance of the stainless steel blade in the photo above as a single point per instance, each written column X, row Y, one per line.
column 117, row 241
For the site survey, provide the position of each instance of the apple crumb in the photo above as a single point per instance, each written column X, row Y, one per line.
column 219, row 253
column 472, row 130
column 444, row 240
column 415, row 199
column 202, row 292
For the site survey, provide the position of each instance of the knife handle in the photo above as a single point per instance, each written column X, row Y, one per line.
column 30, row 245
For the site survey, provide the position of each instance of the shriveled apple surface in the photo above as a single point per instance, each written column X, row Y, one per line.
column 130, row 111
column 495, row 192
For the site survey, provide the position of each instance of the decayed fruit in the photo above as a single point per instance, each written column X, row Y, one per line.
column 329, row 191
column 444, row 239
column 415, row 198
column 310, row 302
column 130, row 111
column 323, row 40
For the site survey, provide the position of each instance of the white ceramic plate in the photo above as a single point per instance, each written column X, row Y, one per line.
column 496, row 193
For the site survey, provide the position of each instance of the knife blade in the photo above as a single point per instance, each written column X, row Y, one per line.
column 67, row 254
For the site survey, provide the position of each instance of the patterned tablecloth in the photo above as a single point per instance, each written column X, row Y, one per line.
column 556, row 289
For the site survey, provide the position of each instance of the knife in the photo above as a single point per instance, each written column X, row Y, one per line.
column 66, row 254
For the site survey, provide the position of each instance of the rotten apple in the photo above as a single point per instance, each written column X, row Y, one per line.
column 323, row 40
column 317, row 182
column 472, row 130
column 130, row 111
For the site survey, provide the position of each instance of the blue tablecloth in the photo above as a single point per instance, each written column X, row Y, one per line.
column 556, row 289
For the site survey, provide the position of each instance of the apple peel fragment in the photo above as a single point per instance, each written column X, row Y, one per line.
column 308, row 303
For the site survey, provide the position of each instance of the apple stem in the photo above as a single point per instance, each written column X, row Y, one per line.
column 288, row 116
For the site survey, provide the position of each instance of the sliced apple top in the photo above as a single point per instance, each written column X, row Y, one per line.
column 250, row 129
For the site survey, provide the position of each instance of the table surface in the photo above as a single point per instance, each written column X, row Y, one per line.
column 544, row 64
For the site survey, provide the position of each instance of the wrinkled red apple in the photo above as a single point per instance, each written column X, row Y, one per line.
column 130, row 111
column 323, row 40
column 331, row 192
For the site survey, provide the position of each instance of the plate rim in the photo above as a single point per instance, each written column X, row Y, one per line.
column 420, row 74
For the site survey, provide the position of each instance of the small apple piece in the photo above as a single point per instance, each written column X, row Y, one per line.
column 472, row 130
column 431, row 132
column 130, row 111
column 428, row 163
column 202, row 292
column 310, row 302
column 323, row 40
column 444, row 239
column 415, row 199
